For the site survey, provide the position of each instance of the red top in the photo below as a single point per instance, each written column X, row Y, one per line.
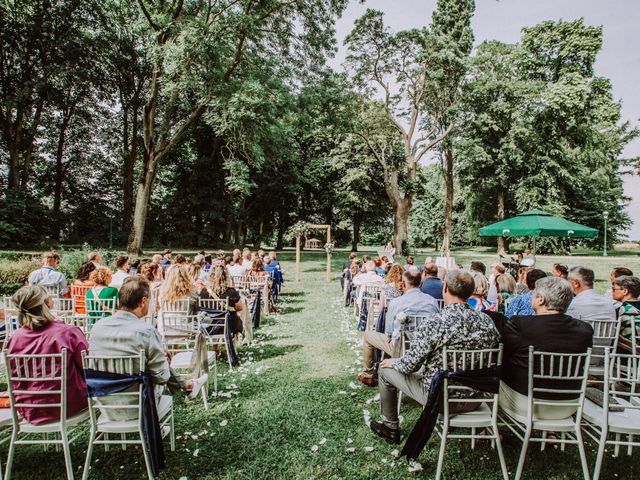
column 51, row 338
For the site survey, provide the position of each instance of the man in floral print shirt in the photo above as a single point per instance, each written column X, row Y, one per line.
column 456, row 326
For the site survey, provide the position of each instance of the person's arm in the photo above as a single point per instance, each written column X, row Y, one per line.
column 423, row 344
column 62, row 285
column 78, row 344
column 511, row 338
column 157, row 364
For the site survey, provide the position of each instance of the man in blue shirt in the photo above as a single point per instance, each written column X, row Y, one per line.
column 521, row 304
column 431, row 284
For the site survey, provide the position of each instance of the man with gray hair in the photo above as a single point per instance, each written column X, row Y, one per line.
column 549, row 330
column 588, row 304
column 95, row 258
column 456, row 326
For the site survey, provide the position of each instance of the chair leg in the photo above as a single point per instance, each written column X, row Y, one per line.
column 123, row 436
column 147, row 457
column 66, row 448
column 205, row 395
column 172, row 434
column 215, row 375
column 543, row 444
column 600, row 455
column 87, row 462
column 503, row 464
column 583, row 455
column 616, row 449
column 523, row 453
column 443, row 443
column 562, row 444
column 12, row 450
column 473, row 440
column 630, row 447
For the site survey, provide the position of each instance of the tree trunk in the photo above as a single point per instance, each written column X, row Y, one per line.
column 401, row 224
column 143, row 198
column 356, row 233
column 130, row 152
column 502, row 246
column 448, row 205
column 281, row 231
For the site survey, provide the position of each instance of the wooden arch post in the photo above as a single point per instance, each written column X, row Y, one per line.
column 319, row 227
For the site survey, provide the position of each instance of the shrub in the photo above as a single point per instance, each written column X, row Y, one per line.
column 14, row 274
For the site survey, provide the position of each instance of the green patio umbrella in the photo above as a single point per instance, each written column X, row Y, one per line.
column 536, row 223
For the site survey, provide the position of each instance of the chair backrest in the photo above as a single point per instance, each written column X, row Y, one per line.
column 98, row 308
column 79, row 292
column 52, row 290
column 554, row 376
column 371, row 291
column 622, row 378
column 239, row 282
column 64, row 308
column 440, row 303
column 124, row 365
column 627, row 335
column 469, row 360
column 214, row 303
column 407, row 328
column 175, row 321
column 33, row 376
column 258, row 282
column 10, row 318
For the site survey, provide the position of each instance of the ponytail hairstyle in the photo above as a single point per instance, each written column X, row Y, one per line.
column 33, row 312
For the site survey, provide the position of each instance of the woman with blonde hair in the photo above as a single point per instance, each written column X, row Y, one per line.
column 178, row 286
column 506, row 288
column 478, row 300
column 97, row 308
column 217, row 287
column 393, row 284
column 152, row 272
column 41, row 334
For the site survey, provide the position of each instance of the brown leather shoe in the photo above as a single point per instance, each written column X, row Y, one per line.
column 368, row 381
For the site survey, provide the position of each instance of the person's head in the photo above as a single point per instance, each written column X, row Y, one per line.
column 519, row 256
column 261, row 253
column 384, row 259
column 237, row 253
column 167, row 254
column 497, row 269
column 50, row 258
column 353, row 255
column 533, row 276
column 366, row 258
column 33, row 304
column 581, row 279
column 458, row 286
column 101, row 276
column 394, row 276
column 257, row 265
column 370, row 266
column 177, row 284
column 478, row 267
column 481, row 284
column 267, row 260
column 390, row 243
column 410, row 260
column 220, row 253
column 85, row 270
column 273, row 255
column 228, row 260
column 551, row 295
column 199, row 259
column 625, row 288
column 95, row 257
column 180, row 259
column 134, row 296
column 411, row 279
column 527, row 251
column 378, row 262
column 193, row 271
column 620, row 271
column 559, row 270
column 246, row 254
column 505, row 283
column 151, row 272
column 122, row 262
column 430, row 270
column 157, row 259
column 218, row 280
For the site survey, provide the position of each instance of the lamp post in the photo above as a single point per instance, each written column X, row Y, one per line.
column 110, row 231
column 605, row 214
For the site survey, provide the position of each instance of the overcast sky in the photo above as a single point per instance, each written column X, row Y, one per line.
column 503, row 20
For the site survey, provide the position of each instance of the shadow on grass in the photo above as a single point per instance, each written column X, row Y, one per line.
column 288, row 309
column 265, row 352
column 292, row 294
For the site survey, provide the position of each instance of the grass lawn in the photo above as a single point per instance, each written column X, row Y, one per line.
column 296, row 388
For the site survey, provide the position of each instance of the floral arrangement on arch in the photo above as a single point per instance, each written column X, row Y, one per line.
column 299, row 228
column 328, row 247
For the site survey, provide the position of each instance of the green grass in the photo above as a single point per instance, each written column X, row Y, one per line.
column 292, row 390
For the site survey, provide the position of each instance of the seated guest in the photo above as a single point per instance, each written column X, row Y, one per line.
column 41, row 334
column 431, row 284
column 559, row 270
column 410, row 262
column 274, row 260
column 269, row 265
column 180, row 260
column 157, row 259
column 550, row 329
column 102, row 291
column 166, row 257
column 626, row 289
column 496, row 269
column 528, row 257
column 369, row 276
column 478, row 267
column 134, row 267
column 217, row 287
column 521, row 304
column 615, row 273
column 587, row 304
column 178, row 286
column 80, row 285
column 347, row 265
column 47, row 275
column 219, row 258
column 247, row 263
column 478, row 300
column 456, row 326
column 506, row 289
column 257, row 270
column 237, row 267
column 95, row 258
column 152, row 273
column 379, row 269
column 124, row 333
column 521, row 285
column 412, row 302
column 393, row 285
column 261, row 254
column 122, row 271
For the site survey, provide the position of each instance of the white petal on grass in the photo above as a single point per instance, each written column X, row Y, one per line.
column 314, row 448
column 351, row 450
column 414, row 467
column 369, row 449
column 376, row 398
column 322, row 442
column 349, row 440
column 353, row 385
column 183, row 478
column 342, row 392
column 223, row 423
column 395, row 453
column 196, row 452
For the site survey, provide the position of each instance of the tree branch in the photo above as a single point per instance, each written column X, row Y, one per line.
column 147, row 16
column 434, row 142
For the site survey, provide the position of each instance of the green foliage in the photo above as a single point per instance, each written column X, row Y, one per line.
column 15, row 273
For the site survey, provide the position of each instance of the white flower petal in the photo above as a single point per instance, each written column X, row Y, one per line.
column 414, row 466
column 196, row 452
column 322, row 442
column 223, row 423
column 314, row 448
column 351, row 450
column 368, row 449
column 349, row 440
column 395, row 453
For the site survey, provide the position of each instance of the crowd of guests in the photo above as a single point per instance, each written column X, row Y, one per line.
column 550, row 312
column 139, row 290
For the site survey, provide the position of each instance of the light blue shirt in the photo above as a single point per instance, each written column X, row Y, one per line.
column 412, row 302
column 50, row 277
column 590, row 305
column 520, row 305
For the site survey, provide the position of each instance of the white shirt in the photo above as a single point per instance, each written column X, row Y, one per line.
column 237, row 270
column 49, row 276
column 492, row 296
column 118, row 279
column 589, row 305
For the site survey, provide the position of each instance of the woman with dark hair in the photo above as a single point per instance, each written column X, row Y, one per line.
column 257, row 270
column 560, row 270
column 81, row 286
column 41, row 334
